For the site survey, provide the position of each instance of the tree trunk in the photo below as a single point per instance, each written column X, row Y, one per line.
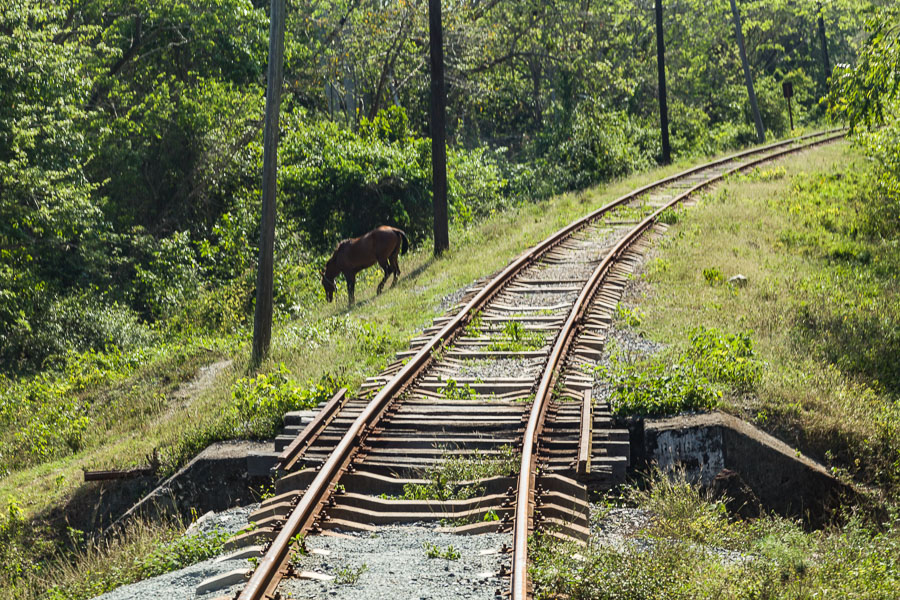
column 760, row 132
column 824, row 40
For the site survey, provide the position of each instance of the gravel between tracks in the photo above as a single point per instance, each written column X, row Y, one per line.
column 501, row 367
column 392, row 563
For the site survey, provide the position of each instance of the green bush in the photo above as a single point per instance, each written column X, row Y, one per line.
column 337, row 183
column 724, row 357
column 601, row 144
column 258, row 404
column 695, row 380
column 655, row 389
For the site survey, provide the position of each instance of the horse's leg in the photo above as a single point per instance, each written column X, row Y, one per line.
column 395, row 267
column 387, row 272
column 351, row 285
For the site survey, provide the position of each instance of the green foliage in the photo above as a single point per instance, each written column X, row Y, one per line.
column 98, row 568
column 515, row 338
column 453, row 391
column 350, row 575
column 670, row 216
column 258, row 404
column 656, row 389
column 713, row 275
column 47, row 416
column 446, row 477
column 629, row 316
column 724, row 357
column 600, row 145
column 18, row 542
column 694, row 380
column 691, row 549
column 180, row 552
column 864, row 92
column 434, row 551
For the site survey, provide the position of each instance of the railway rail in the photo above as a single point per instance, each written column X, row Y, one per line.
column 542, row 323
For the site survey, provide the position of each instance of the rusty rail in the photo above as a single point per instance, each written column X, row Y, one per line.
column 524, row 512
column 266, row 576
column 288, row 457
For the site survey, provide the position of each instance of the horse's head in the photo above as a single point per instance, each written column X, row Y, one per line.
column 328, row 285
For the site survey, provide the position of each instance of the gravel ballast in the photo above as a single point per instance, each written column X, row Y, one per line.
column 392, row 563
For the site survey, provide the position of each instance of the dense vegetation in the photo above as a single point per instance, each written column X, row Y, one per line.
column 131, row 136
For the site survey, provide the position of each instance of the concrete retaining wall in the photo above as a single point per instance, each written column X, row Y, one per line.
column 783, row 480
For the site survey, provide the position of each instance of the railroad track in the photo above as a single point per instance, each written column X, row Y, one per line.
column 506, row 376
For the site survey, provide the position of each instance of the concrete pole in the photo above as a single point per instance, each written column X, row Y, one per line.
column 262, row 321
column 661, row 68
column 438, row 130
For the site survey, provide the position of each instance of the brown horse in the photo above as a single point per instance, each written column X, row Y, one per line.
column 381, row 245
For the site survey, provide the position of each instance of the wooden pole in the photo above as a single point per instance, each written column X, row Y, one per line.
column 760, row 132
column 661, row 68
column 438, row 130
column 824, row 41
column 262, row 321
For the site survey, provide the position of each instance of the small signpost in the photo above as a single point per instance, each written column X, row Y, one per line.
column 787, row 89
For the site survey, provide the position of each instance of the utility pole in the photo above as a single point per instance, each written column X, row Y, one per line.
column 760, row 132
column 661, row 68
column 438, row 130
column 262, row 321
column 824, row 44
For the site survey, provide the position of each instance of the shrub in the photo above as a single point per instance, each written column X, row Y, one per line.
column 79, row 322
column 654, row 388
column 600, row 145
column 694, row 380
column 724, row 357
column 258, row 404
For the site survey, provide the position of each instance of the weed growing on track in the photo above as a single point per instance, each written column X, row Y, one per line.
column 350, row 575
column 515, row 338
column 446, row 478
column 452, row 390
column 691, row 548
column 435, row 551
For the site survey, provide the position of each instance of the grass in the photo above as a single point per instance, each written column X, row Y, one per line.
column 515, row 338
column 435, row 551
column 822, row 306
column 132, row 407
column 145, row 549
column 691, row 548
column 445, row 480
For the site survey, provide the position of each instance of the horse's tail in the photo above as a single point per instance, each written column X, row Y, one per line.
column 405, row 241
